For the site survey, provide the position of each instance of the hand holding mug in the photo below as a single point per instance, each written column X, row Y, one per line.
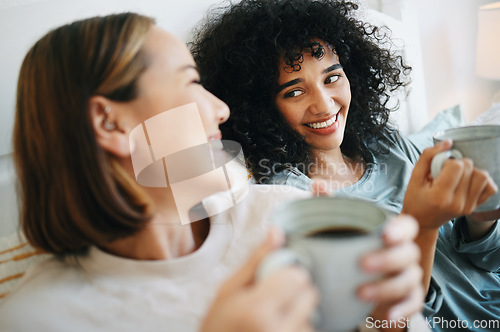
column 481, row 145
column 282, row 303
column 356, row 258
column 458, row 189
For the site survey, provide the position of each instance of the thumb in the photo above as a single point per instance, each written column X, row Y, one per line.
column 246, row 274
column 423, row 166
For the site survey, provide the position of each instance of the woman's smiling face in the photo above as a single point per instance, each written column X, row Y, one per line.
column 315, row 99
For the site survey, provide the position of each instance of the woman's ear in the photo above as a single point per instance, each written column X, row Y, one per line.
column 105, row 118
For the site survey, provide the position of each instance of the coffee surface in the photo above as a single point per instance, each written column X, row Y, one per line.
column 338, row 232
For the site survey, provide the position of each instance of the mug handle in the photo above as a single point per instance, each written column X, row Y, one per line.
column 439, row 159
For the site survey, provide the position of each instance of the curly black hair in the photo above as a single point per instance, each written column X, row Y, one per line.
column 238, row 49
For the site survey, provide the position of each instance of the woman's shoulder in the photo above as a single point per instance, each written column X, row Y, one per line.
column 40, row 291
column 51, row 272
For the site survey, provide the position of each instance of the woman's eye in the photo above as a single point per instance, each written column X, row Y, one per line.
column 294, row 93
column 332, row 79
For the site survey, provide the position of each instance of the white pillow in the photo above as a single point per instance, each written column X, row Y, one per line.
column 491, row 116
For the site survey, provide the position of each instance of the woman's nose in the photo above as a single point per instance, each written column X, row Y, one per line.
column 322, row 101
column 221, row 109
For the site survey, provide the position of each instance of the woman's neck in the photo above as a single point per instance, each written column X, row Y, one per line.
column 163, row 237
column 338, row 170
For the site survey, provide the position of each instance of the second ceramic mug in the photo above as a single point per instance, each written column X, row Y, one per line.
column 479, row 143
column 328, row 236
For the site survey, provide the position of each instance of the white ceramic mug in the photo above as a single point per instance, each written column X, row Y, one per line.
column 328, row 236
column 479, row 143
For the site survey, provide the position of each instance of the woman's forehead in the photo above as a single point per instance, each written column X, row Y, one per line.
column 165, row 49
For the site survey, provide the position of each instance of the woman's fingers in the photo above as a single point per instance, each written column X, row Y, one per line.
column 402, row 228
column 471, row 186
column 422, row 168
column 300, row 310
column 399, row 291
column 486, row 185
column 462, row 189
column 393, row 288
column 392, row 259
column 284, row 284
column 408, row 306
column 480, row 189
column 450, row 177
column 405, row 307
column 293, row 299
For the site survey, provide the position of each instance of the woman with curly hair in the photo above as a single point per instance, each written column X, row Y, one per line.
column 246, row 66
column 308, row 85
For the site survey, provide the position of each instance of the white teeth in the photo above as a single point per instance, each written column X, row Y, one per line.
column 324, row 124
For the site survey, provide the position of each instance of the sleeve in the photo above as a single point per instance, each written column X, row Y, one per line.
column 434, row 299
column 483, row 253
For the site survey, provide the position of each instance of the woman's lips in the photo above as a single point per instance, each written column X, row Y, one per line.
column 325, row 127
column 216, row 137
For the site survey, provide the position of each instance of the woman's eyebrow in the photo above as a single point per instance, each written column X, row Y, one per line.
column 332, row 68
column 298, row 80
column 290, row 83
column 186, row 67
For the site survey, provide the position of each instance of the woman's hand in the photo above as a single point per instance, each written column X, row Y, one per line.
column 399, row 294
column 283, row 301
column 458, row 190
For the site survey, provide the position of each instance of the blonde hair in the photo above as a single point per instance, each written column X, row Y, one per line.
column 73, row 194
